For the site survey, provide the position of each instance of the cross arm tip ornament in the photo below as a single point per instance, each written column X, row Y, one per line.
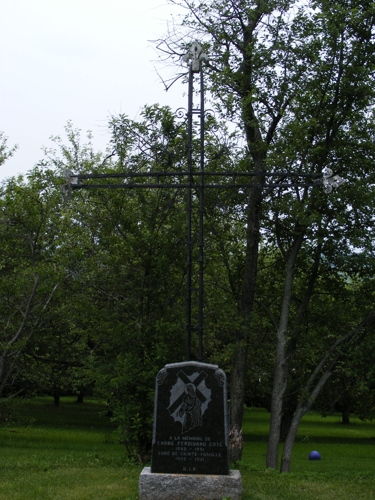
column 196, row 54
column 331, row 181
column 66, row 189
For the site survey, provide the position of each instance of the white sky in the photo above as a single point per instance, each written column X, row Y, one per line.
column 79, row 60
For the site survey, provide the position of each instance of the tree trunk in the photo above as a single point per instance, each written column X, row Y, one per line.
column 305, row 404
column 278, row 389
column 237, row 398
column 289, row 441
column 345, row 417
column 238, row 374
column 80, row 395
column 280, row 379
column 56, row 396
column 235, row 442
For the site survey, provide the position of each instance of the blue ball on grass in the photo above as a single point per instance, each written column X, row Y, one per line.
column 314, row 455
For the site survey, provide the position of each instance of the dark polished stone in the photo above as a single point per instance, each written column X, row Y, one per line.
column 190, row 420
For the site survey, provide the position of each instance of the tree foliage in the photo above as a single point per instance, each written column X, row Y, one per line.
column 297, row 77
column 29, row 278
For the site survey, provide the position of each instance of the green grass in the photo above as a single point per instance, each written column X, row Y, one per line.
column 69, row 452
column 346, row 470
column 72, row 452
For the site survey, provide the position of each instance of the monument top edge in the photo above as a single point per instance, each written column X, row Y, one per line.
column 191, row 363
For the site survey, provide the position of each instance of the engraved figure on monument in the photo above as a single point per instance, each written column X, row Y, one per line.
column 189, row 400
column 191, row 409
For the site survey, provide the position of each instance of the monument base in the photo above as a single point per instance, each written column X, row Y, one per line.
column 156, row 486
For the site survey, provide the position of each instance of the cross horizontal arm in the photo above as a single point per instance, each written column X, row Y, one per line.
column 131, row 175
column 131, row 185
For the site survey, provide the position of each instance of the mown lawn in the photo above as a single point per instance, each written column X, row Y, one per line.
column 346, row 470
column 72, row 452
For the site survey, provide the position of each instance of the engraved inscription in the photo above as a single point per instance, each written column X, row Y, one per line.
column 190, row 448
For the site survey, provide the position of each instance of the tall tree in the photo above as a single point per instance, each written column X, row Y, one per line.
column 28, row 278
column 297, row 77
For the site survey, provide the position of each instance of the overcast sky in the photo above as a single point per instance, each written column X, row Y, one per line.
column 79, row 60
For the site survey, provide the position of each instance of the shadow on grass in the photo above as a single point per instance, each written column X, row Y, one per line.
column 42, row 412
column 248, row 437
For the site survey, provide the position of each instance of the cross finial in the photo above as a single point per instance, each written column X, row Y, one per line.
column 331, row 181
column 196, row 54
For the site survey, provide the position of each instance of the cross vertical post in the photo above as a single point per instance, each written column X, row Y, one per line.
column 188, row 210
column 201, row 221
column 195, row 56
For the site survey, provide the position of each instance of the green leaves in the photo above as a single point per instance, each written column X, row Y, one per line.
column 5, row 152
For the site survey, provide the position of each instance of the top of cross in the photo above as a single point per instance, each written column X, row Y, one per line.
column 196, row 54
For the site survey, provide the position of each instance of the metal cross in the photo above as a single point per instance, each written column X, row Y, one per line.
column 194, row 58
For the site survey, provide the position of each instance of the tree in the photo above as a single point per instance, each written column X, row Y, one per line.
column 5, row 152
column 134, row 270
column 27, row 280
column 351, row 390
column 126, row 264
column 297, row 78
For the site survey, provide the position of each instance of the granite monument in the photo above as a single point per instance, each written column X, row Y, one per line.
column 190, row 433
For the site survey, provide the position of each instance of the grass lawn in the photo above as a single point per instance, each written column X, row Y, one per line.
column 72, row 452
column 346, row 470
